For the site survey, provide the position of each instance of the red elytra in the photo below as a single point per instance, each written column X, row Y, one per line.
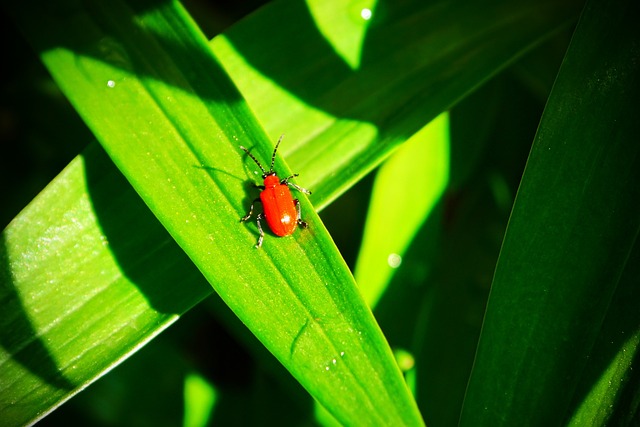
column 279, row 208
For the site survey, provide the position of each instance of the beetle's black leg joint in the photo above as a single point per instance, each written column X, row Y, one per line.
column 285, row 181
column 258, row 218
column 301, row 223
column 247, row 216
column 296, row 186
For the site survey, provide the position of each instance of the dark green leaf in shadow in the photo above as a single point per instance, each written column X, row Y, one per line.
column 570, row 235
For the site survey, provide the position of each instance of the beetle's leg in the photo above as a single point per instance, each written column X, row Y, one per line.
column 286, row 180
column 301, row 223
column 300, row 189
column 247, row 216
column 258, row 218
column 297, row 187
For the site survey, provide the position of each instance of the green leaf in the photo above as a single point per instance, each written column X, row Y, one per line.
column 570, row 242
column 406, row 190
column 80, row 287
column 416, row 64
column 89, row 274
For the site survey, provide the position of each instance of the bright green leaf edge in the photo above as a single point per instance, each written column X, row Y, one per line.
column 162, row 311
column 565, row 285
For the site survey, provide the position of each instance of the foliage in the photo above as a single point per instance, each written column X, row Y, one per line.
column 142, row 226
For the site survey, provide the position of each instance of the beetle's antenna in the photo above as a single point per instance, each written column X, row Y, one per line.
column 256, row 160
column 273, row 156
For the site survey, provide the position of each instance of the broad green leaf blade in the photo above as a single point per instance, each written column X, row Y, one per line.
column 56, row 336
column 570, row 236
column 418, row 59
column 70, row 313
column 147, row 85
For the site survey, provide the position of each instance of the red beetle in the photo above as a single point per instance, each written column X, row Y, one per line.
column 279, row 208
